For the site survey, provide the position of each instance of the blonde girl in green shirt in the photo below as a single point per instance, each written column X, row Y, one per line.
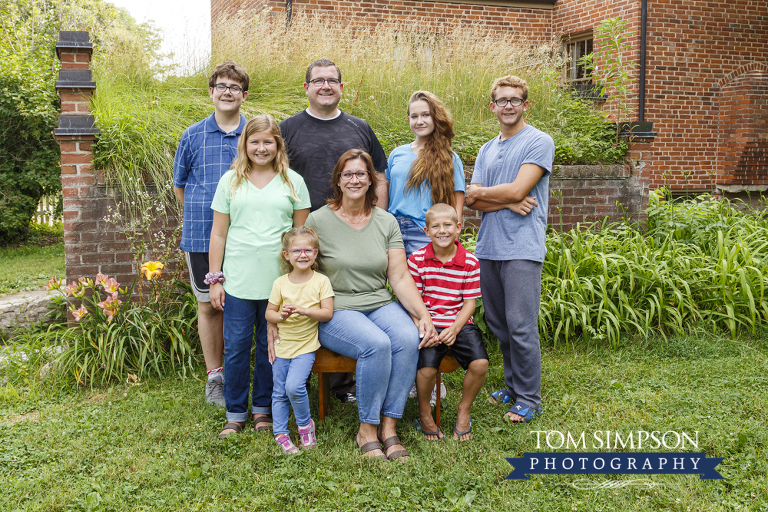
column 255, row 203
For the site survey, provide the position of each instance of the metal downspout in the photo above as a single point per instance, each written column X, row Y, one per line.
column 643, row 38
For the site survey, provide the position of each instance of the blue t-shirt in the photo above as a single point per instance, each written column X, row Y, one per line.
column 415, row 203
column 205, row 153
column 505, row 235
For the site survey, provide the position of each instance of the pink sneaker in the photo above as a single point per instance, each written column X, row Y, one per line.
column 286, row 444
column 308, row 439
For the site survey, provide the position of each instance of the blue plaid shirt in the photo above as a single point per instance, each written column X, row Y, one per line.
column 205, row 153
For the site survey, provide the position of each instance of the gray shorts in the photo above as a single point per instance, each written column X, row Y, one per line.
column 197, row 262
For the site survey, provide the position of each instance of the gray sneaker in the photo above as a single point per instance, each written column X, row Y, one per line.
column 214, row 394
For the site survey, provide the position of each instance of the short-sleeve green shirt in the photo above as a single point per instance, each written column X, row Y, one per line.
column 356, row 261
column 257, row 219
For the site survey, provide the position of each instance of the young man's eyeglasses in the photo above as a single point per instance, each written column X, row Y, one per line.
column 318, row 82
column 361, row 175
column 298, row 252
column 234, row 89
column 502, row 102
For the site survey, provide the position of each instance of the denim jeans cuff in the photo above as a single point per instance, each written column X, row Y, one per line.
column 238, row 417
column 261, row 410
column 392, row 415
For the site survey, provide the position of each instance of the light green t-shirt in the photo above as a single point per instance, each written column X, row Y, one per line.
column 298, row 333
column 354, row 260
column 257, row 218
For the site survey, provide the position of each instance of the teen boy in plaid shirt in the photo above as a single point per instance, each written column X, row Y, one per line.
column 205, row 153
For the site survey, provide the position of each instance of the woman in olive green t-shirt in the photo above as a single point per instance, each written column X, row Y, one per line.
column 360, row 251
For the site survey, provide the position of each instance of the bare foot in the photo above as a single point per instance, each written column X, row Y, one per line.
column 513, row 418
column 428, row 425
column 463, row 426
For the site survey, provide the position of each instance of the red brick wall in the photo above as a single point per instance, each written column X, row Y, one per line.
column 743, row 137
column 536, row 23
column 694, row 50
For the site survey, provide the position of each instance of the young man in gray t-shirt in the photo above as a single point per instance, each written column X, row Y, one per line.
column 510, row 185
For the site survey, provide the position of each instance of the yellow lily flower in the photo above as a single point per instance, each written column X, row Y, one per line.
column 151, row 269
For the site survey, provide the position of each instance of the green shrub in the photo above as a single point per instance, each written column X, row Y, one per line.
column 29, row 104
column 696, row 264
column 29, row 155
column 149, row 328
column 140, row 335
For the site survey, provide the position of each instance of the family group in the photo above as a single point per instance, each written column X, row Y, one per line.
column 294, row 231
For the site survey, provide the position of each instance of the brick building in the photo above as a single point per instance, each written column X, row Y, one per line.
column 701, row 80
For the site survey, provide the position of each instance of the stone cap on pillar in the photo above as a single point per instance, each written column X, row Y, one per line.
column 73, row 40
column 76, row 125
column 75, row 79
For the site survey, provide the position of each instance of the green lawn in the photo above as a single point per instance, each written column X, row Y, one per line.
column 153, row 446
column 30, row 266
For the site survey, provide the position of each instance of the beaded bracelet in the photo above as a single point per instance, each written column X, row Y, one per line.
column 214, row 277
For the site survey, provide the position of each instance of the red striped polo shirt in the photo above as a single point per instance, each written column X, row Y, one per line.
column 445, row 286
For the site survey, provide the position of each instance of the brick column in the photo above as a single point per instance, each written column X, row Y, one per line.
column 76, row 134
column 90, row 244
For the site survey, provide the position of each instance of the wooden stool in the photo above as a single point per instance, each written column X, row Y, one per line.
column 327, row 361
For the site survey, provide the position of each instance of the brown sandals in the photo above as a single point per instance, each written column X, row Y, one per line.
column 390, row 442
column 369, row 447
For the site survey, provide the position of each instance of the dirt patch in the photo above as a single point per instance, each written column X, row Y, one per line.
column 97, row 398
column 31, row 416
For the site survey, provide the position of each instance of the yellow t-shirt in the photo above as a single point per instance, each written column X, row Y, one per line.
column 298, row 334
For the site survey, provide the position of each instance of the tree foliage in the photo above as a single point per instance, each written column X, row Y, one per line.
column 28, row 108
column 29, row 104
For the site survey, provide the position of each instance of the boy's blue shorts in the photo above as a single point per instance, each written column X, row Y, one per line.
column 467, row 348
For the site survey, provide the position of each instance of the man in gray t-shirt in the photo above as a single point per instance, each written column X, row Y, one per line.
column 510, row 185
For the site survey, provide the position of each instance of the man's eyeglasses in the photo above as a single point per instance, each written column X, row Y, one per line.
column 361, row 175
column 318, row 82
column 234, row 89
column 502, row 102
column 298, row 252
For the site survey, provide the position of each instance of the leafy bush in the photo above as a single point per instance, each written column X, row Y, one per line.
column 29, row 104
column 147, row 328
column 697, row 264
column 139, row 335
column 29, row 155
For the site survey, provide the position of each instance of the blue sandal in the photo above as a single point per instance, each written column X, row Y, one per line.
column 524, row 411
column 502, row 396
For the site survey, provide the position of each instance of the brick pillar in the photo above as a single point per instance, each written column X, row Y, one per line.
column 76, row 134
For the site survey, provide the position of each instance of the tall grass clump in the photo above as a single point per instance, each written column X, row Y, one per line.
column 697, row 264
column 142, row 118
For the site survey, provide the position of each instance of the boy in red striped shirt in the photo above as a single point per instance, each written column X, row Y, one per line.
column 448, row 277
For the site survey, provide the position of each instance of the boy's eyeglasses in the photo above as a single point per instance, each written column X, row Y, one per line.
column 502, row 102
column 234, row 89
column 318, row 82
column 361, row 175
column 298, row 252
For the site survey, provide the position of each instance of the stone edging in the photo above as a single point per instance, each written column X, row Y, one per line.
column 23, row 309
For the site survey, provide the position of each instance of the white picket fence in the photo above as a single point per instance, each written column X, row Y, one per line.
column 45, row 210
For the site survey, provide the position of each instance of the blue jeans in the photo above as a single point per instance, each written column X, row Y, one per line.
column 241, row 316
column 413, row 236
column 385, row 343
column 290, row 380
